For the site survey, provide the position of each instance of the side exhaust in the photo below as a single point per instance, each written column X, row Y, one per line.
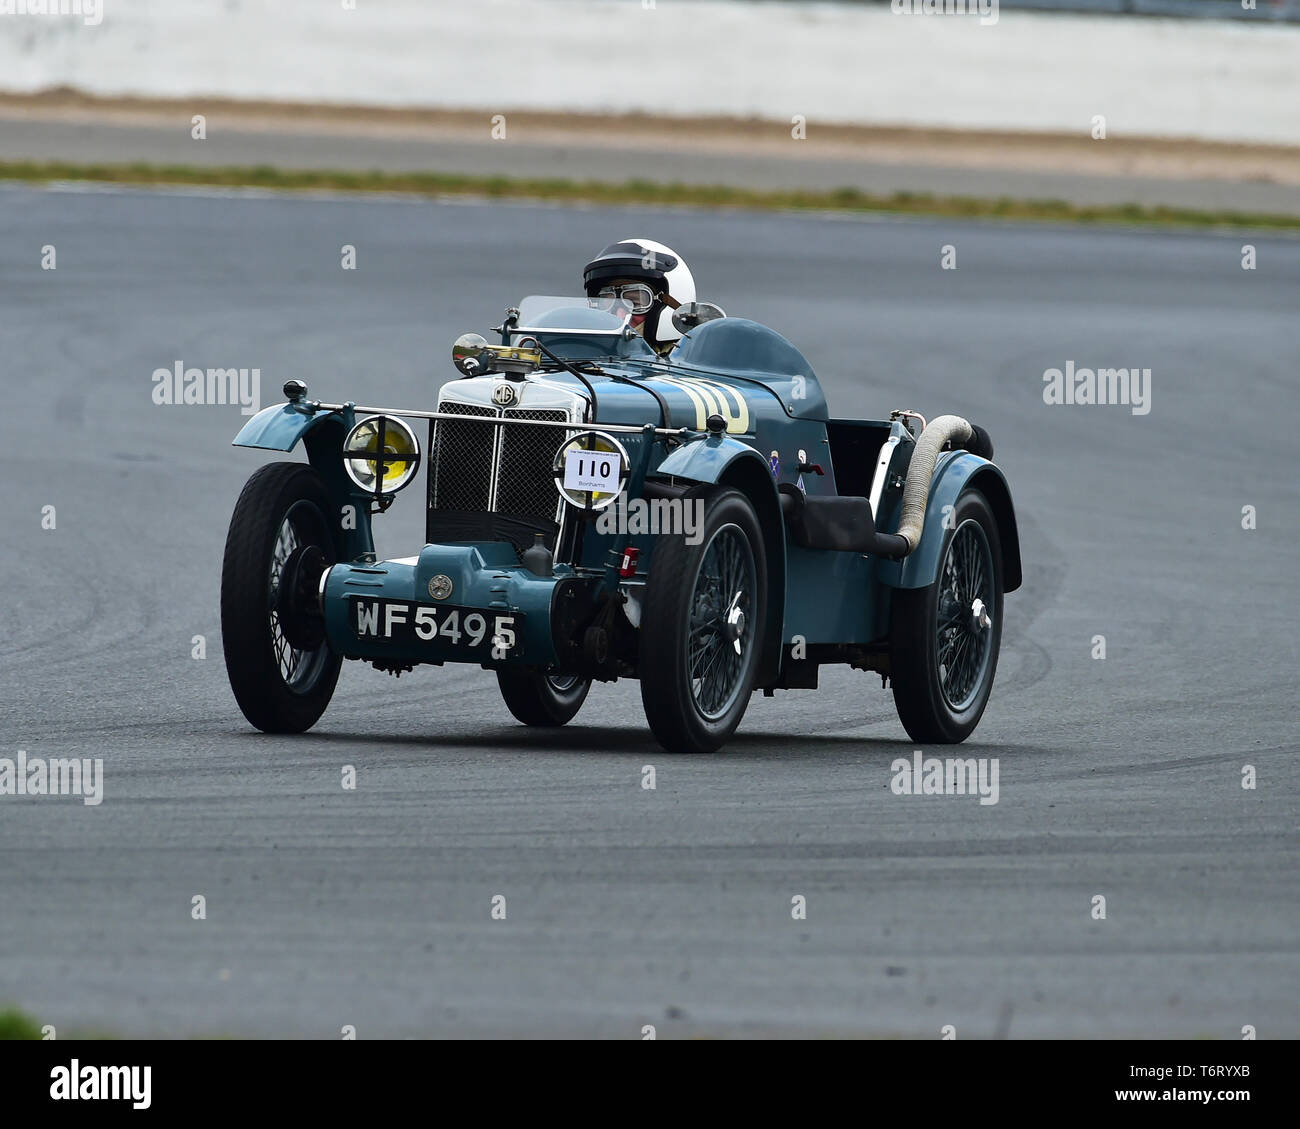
column 916, row 493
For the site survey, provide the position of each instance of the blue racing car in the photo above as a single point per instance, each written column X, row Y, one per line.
column 600, row 506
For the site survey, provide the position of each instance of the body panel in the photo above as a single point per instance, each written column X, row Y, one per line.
column 279, row 427
column 485, row 576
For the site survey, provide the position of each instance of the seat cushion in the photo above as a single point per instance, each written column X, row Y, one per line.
column 844, row 524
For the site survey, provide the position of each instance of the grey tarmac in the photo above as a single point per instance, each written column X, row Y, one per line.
column 1119, row 777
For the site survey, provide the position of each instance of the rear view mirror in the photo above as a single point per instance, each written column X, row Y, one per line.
column 690, row 314
column 467, row 354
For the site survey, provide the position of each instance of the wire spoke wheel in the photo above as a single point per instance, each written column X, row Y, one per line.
column 281, row 668
column 944, row 638
column 703, row 620
column 298, row 668
column 963, row 641
column 721, row 607
column 549, row 699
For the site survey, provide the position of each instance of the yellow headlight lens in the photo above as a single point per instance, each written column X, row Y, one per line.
column 394, row 451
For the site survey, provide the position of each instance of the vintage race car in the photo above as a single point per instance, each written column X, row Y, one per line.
column 597, row 511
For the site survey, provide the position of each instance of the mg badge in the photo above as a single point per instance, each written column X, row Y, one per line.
column 503, row 395
column 440, row 586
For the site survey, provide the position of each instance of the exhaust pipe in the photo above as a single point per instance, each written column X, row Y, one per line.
column 941, row 431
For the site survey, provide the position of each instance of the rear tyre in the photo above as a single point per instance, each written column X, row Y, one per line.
column 702, row 626
column 280, row 687
column 543, row 699
column 945, row 638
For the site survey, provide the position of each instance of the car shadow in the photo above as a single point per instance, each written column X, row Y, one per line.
column 638, row 742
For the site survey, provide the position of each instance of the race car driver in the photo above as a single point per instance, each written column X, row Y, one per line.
column 653, row 280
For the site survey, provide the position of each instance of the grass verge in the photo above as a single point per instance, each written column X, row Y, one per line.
column 635, row 192
column 15, row 1025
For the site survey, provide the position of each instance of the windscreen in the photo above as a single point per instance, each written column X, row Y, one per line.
column 556, row 313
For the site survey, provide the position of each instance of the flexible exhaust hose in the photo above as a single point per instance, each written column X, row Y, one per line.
column 941, row 431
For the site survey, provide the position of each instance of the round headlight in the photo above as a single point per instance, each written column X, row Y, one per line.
column 381, row 454
column 590, row 470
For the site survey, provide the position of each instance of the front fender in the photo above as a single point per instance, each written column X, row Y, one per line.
column 957, row 472
column 705, row 460
column 279, row 428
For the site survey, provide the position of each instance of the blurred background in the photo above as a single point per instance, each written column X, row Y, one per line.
column 1177, row 102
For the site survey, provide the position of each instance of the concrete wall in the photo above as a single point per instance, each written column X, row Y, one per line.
column 830, row 62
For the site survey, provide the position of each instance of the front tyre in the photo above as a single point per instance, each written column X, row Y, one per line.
column 702, row 626
column 542, row 699
column 282, row 686
column 945, row 638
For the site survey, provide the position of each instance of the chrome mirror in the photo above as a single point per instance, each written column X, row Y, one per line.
column 470, row 354
column 690, row 314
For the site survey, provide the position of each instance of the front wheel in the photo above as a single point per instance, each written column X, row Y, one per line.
column 542, row 699
column 945, row 638
column 702, row 626
column 281, row 669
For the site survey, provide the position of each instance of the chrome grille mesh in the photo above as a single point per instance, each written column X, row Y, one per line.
column 524, row 482
column 478, row 468
column 462, row 459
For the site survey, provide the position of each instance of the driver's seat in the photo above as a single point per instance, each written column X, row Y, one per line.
column 844, row 525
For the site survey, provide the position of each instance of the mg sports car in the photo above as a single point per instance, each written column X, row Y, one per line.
column 595, row 510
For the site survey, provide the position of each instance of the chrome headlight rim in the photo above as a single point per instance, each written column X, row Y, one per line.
column 584, row 500
column 384, row 424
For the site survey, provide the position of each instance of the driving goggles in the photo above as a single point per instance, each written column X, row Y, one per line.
column 638, row 296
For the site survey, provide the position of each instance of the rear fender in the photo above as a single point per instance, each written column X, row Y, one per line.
column 956, row 473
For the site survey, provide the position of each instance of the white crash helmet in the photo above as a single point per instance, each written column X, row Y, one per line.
column 662, row 268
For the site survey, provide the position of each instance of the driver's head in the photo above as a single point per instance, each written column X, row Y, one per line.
column 650, row 278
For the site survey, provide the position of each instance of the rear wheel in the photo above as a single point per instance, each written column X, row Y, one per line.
column 543, row 699
column 281, row 669
column 702, row 626
column 945, row 638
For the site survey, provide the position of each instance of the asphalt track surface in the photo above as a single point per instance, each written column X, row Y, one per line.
column 1118, row 777
column 578, row 160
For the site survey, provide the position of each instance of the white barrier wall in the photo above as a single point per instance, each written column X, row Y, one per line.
column 829, row 62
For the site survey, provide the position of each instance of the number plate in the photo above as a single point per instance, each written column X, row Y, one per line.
column 592, row 470
column 479, row 632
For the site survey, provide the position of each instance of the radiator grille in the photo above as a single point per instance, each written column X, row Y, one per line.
column 478, row 468
column 524, row 482
column 462, row 459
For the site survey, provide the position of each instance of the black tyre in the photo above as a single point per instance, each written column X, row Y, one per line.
column 945, row 638
column 702, row 626
column 543, row 699
column 282, row 688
